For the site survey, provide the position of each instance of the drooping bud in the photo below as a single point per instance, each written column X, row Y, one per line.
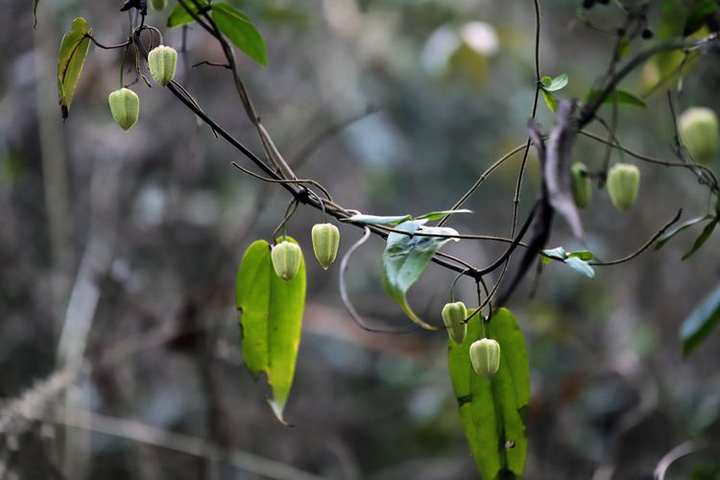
column 325, row 242
column 125, row 107
column 485, row 356
column 286, row 257
column 162, row 62
column 700, row 133
column 454, row 315
column 159, row 4
column 581, row 184
column 623, row 183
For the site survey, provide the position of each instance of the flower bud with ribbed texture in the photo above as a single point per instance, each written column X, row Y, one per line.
column 162, row 62
column 159, row 4
column 325, row 242
column 454, row 315
column 125, row 107
column 700, row 133
column 485, row 356
column 623, row 183
column 581, row 184
column 286, row 257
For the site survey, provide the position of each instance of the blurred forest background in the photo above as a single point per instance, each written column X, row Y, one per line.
column 119, row 252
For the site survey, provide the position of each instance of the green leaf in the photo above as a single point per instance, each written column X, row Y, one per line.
column 554, row 84
column 379, row 220
column 493, row 410
column 549, row 99
column 664, row 238
column 673, row 17
column 700, row 322
column 702, row 238
column 71, row 59
column 700, row 10
column 238, row 28
column 621, row 97
column 179, row 16
column 440, row 214
column 405, row 259
column 577, row 260
column 271, row 312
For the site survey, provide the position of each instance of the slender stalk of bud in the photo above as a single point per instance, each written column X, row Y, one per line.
column 623, row 183
column 162, row 62
column 125, row 107
column 699, row 131
column 286, row 257
column 581, row 185
column 485, row 356
column 454, row 315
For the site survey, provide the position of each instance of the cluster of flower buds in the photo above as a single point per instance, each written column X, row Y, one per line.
column 286, row 256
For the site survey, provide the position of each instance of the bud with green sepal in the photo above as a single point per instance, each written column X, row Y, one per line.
column 699, row 132
column 325, row 242
column 159, row 4
column 162, row 62
column 581, row 184
column 485, row 356
column 125, row 107
column 286, row 258
column 454, row 315
column 623, row 183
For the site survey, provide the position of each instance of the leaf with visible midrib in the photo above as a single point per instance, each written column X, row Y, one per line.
column 493, row 409
column 241, row 32
column 180, row 16
column 71, row 59
column 700, row 322
column 271, row 312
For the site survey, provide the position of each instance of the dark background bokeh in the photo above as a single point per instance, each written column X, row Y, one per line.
column 121, row 248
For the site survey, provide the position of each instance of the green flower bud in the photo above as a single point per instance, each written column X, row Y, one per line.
column 125, row 107
column 325, row 241
column 485, row 356
column 162, row 62
column 700, row 134
column 581, row 184
column 453, row 315
column 623, row 182
column 286, row 257
column 159, row 4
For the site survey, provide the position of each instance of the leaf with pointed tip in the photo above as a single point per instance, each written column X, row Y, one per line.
column 271, row 313
column 550, row 84
column 379, row 219
column 74, row 49
column 180, row 16
column 664, row 238
column 549, row 100
column 493, row 410
column 702, row 238
column 241, row 32
column 440, row 214
column 700, row 322
column 405, row 259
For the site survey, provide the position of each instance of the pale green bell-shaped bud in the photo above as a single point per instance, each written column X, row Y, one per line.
column 581, row 184
column 623, row 183
column 485, row 356
column 159, row 4
column 699, row 132
column 125, row 107
column 325, row 242
column 286, row 258
column 454, row 315
column 162, row 62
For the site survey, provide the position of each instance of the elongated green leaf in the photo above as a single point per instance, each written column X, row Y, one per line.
column 550, row 84
column 71, row 59
column 271, row 312
column 493, row 410
column 439, row 214
column 406, row 257
column 378, row 219
column 680, row 228
column 238, row 28
column 702, row 238
column 179, row 16
column 549, row 99
column 700, row 322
